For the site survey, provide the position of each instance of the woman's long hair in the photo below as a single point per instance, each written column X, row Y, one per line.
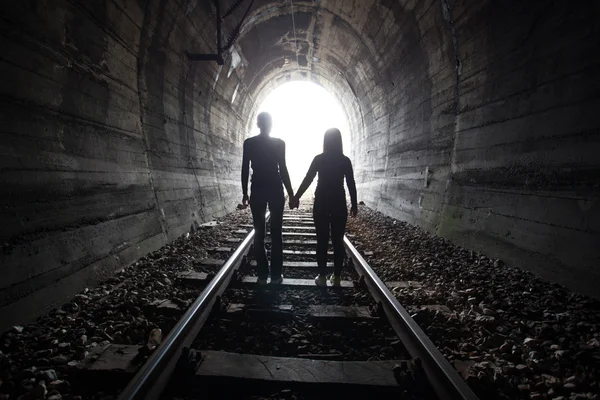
column 332, row 142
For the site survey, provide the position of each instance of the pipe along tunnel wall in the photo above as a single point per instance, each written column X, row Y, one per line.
column 114, row 144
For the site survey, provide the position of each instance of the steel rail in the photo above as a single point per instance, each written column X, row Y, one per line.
column 153, row 377
column 446, row 382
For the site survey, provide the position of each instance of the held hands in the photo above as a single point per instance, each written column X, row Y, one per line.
column 353, row 212
column 294, row 202
column 245, row 201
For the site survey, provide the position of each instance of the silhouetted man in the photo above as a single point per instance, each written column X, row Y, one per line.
column 267, row 156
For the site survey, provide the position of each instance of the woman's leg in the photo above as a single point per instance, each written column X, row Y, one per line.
column 338, row 227
column 322, row 228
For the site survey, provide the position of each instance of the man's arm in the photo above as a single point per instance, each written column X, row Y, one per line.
column 245, row 173
column 351, row 188
column 283, row 172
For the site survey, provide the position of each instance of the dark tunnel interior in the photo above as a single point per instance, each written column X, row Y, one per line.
column 475, row 120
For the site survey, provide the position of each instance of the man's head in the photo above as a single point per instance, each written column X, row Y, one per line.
column 264, row 122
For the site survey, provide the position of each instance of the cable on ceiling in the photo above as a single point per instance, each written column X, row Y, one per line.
column 295, row 39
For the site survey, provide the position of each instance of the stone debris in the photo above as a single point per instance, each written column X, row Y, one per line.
column 154, row 339
column 35, row 359
column 49, row 375
column 509, row 334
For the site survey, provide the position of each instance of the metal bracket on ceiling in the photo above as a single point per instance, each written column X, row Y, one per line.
column 233, row 36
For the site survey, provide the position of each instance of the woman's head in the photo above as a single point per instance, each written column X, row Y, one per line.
column 332, row 142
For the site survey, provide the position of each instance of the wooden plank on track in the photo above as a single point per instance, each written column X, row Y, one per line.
column 290, row 227
column 284, row 311
column 220, row 250
column 192, row 277
column 298, row 228
column 296, row 234
column 298, row 242
column 314, row 311
column 111, row 358
column 334, row 311
column 209, row 262
column 295, row 370
column 297, row 282
column 298, row 264
column 312, row 234
column 285, row 243
column 164, row 306
column 303, row 252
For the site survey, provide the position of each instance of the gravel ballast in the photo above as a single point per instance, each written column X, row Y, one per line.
column 510, row 334
column 35, row 359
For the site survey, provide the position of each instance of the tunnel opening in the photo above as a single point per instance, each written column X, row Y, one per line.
column 302, row 111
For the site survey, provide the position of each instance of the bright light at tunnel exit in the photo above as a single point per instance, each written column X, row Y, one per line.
column 302, row 111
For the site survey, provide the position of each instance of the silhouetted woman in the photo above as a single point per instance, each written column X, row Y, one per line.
column 330, row 209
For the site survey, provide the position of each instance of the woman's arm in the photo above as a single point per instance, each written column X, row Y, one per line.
column 351, row 187
column 310, row 175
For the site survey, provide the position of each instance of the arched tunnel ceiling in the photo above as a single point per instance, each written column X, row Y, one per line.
column 325, row 36
column 336, row 48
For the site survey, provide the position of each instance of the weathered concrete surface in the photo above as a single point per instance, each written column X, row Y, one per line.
column 500, row 112
column 525, row 180
column 114, row 143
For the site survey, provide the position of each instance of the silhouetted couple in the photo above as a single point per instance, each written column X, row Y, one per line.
column 269, row 171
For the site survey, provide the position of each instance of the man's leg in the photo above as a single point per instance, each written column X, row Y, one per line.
column 338, row 227
column 260, row 254
column 276, row 209
column 322, row 228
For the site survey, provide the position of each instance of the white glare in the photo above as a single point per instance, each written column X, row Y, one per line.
column 302, row 112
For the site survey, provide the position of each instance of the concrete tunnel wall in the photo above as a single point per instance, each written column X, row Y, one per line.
column 114, row 143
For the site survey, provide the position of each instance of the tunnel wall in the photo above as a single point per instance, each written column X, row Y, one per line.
column 525, row 180
column 499, row 102
column 408, row 112
column 111, row 141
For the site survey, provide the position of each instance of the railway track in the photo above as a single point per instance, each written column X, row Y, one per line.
column 239, row 340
